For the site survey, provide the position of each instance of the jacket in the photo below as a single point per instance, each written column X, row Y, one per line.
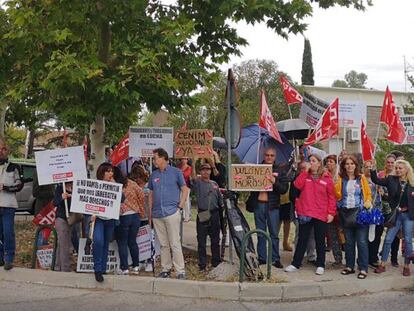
column 366, row 191
column 11, row 178
column 279, row 187
column 317, row 196
column 394, row 191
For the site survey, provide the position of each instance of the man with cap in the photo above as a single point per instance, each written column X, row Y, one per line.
column 209, row 204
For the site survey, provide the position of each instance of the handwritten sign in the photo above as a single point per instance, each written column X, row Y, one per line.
column 96, row 197
column 194, row 144
column 85, row 261
column 143, row 140
column 251, row 177
column 44, row 256
column 60, row 165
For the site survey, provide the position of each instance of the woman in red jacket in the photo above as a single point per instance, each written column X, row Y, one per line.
column 315, row 207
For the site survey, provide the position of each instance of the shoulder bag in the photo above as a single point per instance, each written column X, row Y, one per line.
column 391, row 217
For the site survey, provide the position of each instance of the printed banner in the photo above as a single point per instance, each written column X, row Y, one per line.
column 312, row 109
column 85, row 261
column 143, row 140
column 96, row 197
column 251, row 177
column 60, row 165
column 408, row 122
column 195, row 144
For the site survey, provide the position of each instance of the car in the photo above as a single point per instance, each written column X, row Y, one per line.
column 25, row 199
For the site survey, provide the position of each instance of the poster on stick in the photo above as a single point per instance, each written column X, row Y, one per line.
column 60, row 165
column 195, row 144
column 251, row 177
column 85, row 261
column 96, row 197
column 408, row 122
column 143, row 140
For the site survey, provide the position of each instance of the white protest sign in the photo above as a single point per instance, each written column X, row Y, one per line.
column 312, row 109
column 60, row 165
column 144, row 242
column 85, row 262
column 408, row 122
column 143, row 140
column 96, row 197
column 351, row 113
column 44, row 256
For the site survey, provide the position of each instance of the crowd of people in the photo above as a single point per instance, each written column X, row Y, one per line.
column 325, row 198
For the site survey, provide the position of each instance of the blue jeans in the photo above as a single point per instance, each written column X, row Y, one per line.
column 102, row 235
column 404, row 222
column 126, row 237
column 358, row 236
column 7, row 236
column 266, row 219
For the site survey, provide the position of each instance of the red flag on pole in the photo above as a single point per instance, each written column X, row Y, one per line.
column 121, row 151
column 266, row 120
column 368, row 147
column 391, row 118
column 327, row 126
column 291, row 95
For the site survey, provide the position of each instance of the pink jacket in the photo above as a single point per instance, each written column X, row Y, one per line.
column 317, row 197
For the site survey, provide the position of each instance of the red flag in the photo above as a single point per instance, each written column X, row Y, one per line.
column 391, row 118
column 291, row 95
column 184, row 126
column 121, row 151
column 266, row 120
column 85, row 147
column 327, row 126
column 368, row 147
column 65, row 138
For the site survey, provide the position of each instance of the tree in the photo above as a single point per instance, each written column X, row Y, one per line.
column 95, row 62
column 307, row 65
column 353, row 79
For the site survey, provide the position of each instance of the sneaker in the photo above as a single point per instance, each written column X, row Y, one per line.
column 320, row 271
column 406, row 271
column 99, row 277
column 148, row 267
column 8, row 266
column 291, row 268
column 123, row 272
column 135, row 270
column 277, row 264
column 180, row 276
column 164, row 274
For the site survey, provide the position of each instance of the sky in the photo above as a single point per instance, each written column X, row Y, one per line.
column 374, row 42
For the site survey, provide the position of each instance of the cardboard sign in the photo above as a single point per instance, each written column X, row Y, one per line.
column 143, row 140
column 85, row 262
column 44, row 256
column 60, row 165
column 193, row 144
column 96, row 197
column 251, row 177
column 408, row 122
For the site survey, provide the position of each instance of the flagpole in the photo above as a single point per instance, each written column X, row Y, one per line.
column 258, row 145
column 377, row 137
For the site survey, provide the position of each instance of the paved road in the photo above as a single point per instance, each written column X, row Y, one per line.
column 21, row 297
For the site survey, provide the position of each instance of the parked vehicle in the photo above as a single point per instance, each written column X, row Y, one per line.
column 25, row 198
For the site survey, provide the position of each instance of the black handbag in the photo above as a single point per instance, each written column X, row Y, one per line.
column 390, row 218
column 251, row 202
column 348, row 217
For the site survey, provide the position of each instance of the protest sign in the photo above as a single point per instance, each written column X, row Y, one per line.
column 96, row 197
column 85, row 262
column 193, row 144
column 408, row 122
column 143, row 140
column 251, row 177
column 312, row 109
column 44, row 256
column 351, row 113
column 144, row 242
column 60, row 165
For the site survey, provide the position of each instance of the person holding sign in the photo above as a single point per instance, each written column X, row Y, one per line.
column 103, row 229
column 168, row 193
column 10, row 183
column 209, row 204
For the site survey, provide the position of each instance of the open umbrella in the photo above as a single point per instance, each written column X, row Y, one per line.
column 248, row 146
column 293, row 128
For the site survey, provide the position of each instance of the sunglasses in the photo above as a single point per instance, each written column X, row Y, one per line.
column 269, row 155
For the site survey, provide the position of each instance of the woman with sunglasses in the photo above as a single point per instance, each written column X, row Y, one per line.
column 400, row 196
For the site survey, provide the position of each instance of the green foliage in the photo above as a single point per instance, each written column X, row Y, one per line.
column 307, row 65
column 385, row 147
column 353, row 79
column 15, row 138
column 340, row 83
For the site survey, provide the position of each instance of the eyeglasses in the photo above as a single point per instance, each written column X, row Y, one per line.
column 269, row 155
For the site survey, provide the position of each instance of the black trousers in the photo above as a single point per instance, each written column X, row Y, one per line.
column 320, row 228
column 212, row 228
column 373, row 246
column 394, row 249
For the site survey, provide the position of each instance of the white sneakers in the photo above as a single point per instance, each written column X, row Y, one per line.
column 320, row 270
column 135, row 270
column 123, row 272
column 291, row 268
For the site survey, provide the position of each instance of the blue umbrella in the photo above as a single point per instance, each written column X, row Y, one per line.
column 247, row 148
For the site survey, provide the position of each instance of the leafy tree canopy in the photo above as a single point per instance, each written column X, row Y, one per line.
column 353, row 79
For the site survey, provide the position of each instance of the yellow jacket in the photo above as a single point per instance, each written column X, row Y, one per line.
column 366, row 190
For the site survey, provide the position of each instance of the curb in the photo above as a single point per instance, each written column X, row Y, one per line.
column 234, row 291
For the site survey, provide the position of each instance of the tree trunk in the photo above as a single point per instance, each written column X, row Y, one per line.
column 97, row 132
column 29, row 144
column 3, row 109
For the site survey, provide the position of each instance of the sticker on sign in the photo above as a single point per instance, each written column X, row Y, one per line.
column 62, row 176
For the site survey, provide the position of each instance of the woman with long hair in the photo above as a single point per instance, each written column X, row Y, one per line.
column 315, row 207
column 400, row 196
column 353, row 192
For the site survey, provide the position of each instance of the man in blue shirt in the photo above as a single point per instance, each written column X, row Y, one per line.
column 168, row 193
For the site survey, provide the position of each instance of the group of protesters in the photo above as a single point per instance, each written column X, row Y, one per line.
column 325, row 198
